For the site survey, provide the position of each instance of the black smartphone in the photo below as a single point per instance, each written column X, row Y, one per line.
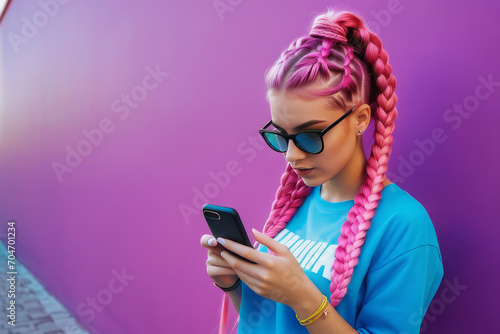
column 225, row 222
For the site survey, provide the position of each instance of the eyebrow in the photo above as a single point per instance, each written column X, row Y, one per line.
column 301, row 126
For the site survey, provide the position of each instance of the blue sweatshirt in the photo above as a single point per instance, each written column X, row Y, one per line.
column 398, row 273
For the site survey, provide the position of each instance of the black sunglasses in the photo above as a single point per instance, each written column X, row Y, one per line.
column 310, row 141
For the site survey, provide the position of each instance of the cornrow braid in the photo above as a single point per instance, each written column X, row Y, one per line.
column 289, row 197
column 353, row 231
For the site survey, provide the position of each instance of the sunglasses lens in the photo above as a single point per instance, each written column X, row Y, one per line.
column 276, row 142
column 309, row 142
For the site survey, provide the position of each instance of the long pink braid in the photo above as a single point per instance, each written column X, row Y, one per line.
column 306, row 62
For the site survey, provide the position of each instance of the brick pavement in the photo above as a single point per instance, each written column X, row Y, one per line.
column 37, row 311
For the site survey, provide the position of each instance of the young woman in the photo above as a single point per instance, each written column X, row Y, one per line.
column 344, row 250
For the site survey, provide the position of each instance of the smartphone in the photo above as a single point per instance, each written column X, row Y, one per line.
column 225, row 222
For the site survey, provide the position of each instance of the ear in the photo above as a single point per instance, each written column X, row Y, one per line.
column 361, row 117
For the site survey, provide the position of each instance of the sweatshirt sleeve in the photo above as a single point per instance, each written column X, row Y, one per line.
column 399, row 293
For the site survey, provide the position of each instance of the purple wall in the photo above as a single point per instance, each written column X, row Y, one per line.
column 157, row 97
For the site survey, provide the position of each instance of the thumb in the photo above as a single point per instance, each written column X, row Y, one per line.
column 273, row 246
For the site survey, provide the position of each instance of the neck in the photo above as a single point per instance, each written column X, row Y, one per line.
column 347, row 183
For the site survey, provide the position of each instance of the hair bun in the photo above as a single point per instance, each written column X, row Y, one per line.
column 323, row 27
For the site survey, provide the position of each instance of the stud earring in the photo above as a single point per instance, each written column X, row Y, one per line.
column 360, row 132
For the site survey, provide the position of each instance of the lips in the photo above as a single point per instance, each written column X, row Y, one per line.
column 303, row 171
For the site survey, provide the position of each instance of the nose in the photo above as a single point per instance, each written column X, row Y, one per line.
column 294, row 153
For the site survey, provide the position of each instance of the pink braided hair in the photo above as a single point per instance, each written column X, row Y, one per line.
column 342, row 35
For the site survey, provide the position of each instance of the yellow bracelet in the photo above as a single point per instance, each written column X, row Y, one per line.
column 319, row 312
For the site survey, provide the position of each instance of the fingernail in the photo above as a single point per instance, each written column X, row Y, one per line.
column 221, row 241
column 212, row 241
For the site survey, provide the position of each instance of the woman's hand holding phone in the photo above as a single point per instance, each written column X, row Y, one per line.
column 217, row 268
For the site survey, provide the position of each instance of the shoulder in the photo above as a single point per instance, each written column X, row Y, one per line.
column 400, row 224
column 400, row 202
column 399, row 211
